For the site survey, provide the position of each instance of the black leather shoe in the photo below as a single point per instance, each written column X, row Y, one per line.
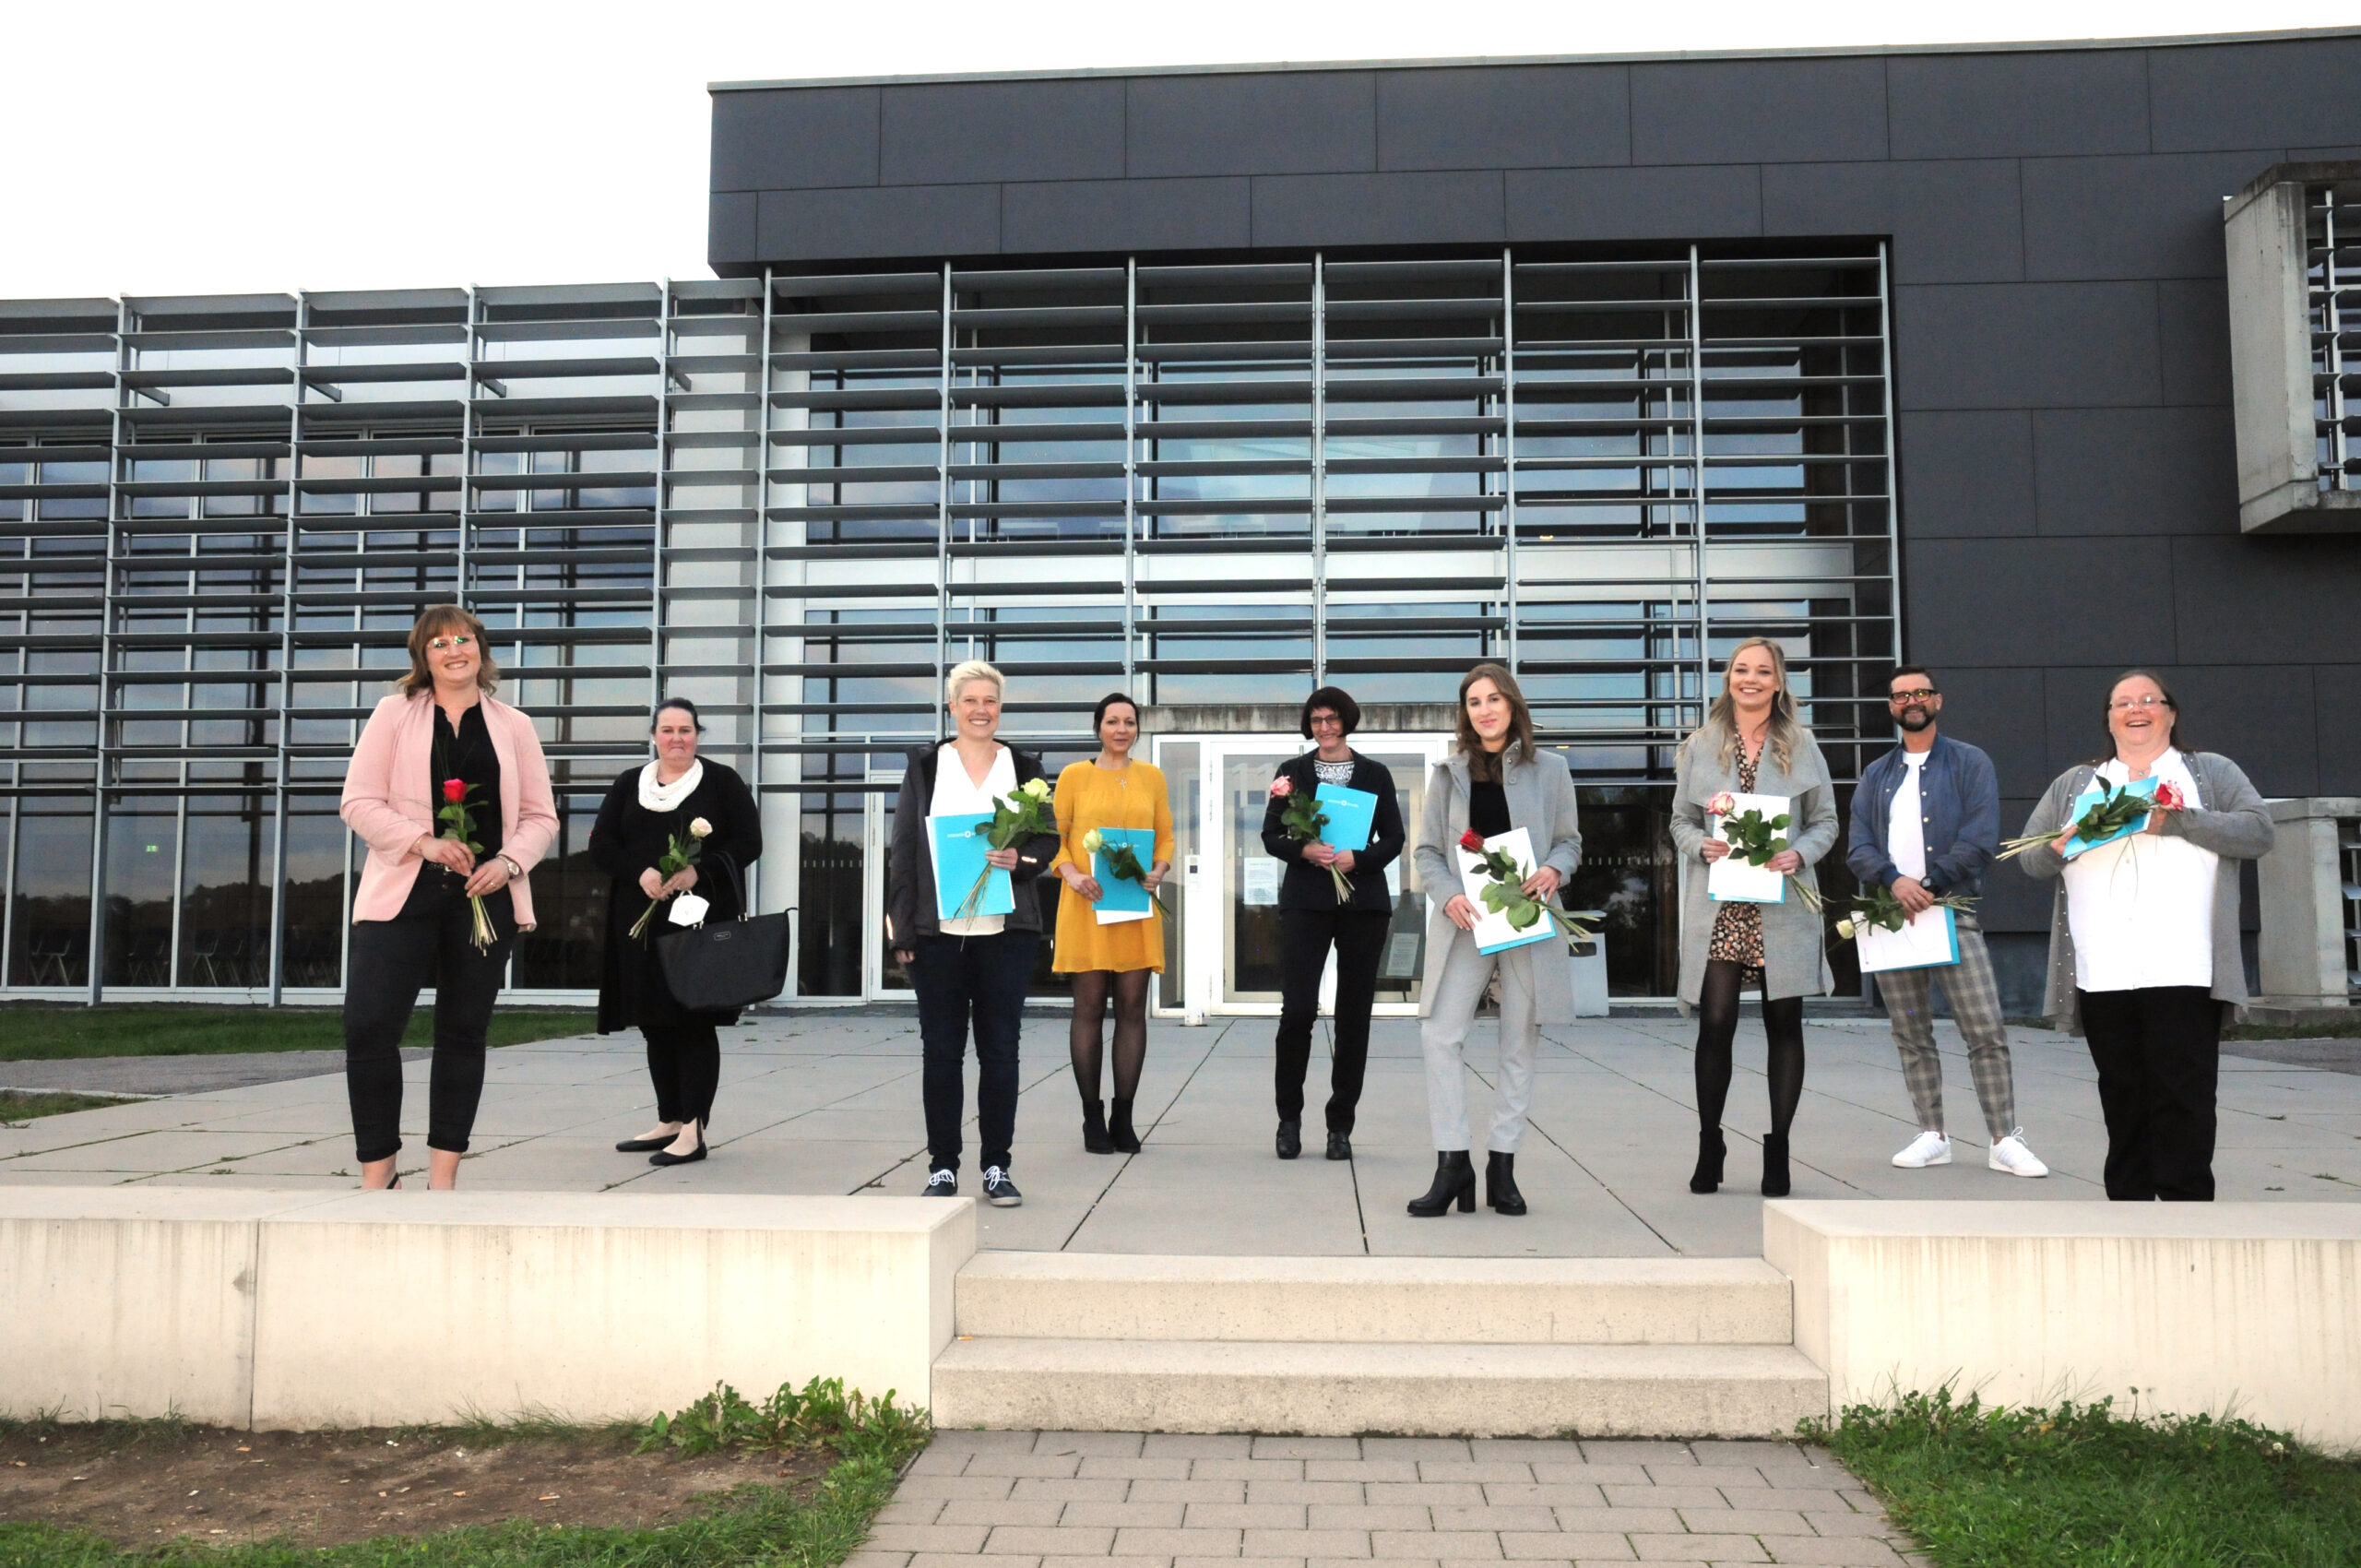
column 1119, row 1128
column 1500, row 1183
column 1774, row 1165
column 1340, row 1145
column 1290, row 1137
column 643, row 1145
column 1454, row 1179
column 1094, row 1128
column 662, row 1157
column 1711, row 1150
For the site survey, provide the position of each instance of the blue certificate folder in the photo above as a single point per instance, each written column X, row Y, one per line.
column 959, row 852
column 1350, row 814
column 1119, row 896
column 2089, row 797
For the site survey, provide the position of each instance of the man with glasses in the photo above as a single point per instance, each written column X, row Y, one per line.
column 1927, row 823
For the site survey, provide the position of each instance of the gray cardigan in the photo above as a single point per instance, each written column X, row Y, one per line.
column 1540, row 794
column 1794, row 962
column 2233, row 823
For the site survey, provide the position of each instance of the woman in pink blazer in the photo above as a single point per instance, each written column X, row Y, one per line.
column 435, row 907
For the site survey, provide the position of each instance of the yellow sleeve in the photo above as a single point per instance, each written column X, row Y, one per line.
column 1163, row 821
column 1063, row 799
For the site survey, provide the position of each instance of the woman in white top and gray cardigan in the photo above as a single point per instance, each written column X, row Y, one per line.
column 2144, row 939
column 1495, row 780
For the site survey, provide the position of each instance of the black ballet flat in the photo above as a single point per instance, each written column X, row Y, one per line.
column 660, row 1157
column 641, row 1145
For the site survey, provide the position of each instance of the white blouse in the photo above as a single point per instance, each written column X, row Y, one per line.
column 2142, row 909
column 957, row 795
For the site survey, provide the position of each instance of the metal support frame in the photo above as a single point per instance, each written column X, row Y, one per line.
column 1508, row 447
column 659, row 601
column 1697, row 484
column 281, row 769
column 1892, row 458
column 1319, row 470
column 943, row 515
column 104, row 751
column 2331, row 329
column 1130, row 473
column 756, row 720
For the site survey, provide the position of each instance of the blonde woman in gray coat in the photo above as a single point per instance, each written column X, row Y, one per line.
column 1751, row 744
column 1495, row 780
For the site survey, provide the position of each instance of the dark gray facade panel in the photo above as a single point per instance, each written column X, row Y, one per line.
column 2255, row 95
column 2129, row 216
column 1966, row 474
column 1634, row 204
column 2014, row 902
column 1953, row 221
column 2029, row 602
column 2014, row 104
column 950, row 133
column 729, row 227
column 2136, row 472
column 798, row 137
column 1127, row 215
column 1759, row 110
column 2027, row 345
column 2193, row 321
column 2240, row 600
column 905, row 221
column 1373, row 210
column 1254, row 122
column 2000, row 710
column 2336, row 698
column 2259, row 716
column 1520, row 117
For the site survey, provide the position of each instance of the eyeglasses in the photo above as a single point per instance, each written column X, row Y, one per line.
column 444, row 644
column 2126, row 704
column 1918, row 693
column 1327, row 720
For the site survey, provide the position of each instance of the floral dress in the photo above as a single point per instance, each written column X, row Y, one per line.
column 1737, row 928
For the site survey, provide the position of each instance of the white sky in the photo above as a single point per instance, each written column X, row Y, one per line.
column 231, row 146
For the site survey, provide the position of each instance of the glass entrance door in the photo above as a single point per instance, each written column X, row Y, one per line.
column 1227, row 924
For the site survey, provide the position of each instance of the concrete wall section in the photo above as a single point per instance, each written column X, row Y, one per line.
column 2251, row 1309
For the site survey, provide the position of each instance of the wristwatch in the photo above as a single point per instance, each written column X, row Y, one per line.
column 515, row 872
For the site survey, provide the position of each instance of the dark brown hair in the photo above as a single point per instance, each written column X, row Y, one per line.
column 2106, row 713
column 437, row 619
column 1335, row 700
column 1481, row 763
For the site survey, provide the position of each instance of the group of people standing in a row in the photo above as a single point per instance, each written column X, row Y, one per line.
column 2144, row 945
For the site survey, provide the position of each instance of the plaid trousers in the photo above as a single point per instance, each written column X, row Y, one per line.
column 1975, row 997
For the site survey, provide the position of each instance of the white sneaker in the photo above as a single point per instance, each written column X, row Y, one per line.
column 1927, row 1149
column 2011, row 1155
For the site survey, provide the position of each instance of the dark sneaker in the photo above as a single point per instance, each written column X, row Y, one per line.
column 999, row 1190
column 943, row 1184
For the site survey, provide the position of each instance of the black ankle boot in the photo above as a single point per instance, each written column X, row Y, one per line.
column 1774, row 1165
column 1454, row 1178
column 1500, row 1183
column 1710, row 1152
column 1094, row 1128
column 1119, row 1128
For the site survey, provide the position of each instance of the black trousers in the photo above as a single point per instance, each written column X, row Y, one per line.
column 427, row 944
column 982, row 979
column 685, row 1064
column 1304, row 939
column 2158, row 1050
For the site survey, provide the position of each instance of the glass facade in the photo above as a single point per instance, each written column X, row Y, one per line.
column 799, row 499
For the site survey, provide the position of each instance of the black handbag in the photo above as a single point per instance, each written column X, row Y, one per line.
column 726, row 965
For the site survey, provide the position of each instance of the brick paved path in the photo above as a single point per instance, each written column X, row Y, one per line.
column 1076, row 1500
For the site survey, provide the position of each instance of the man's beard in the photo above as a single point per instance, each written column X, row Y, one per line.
column 1915, row 719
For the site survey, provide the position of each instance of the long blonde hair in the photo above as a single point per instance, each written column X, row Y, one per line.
column 1782, row 738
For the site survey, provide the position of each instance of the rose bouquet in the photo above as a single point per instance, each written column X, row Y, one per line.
column 1749, row 834
column 459, row 826
column 1020, row 815
column 677, row 858
column 1503, row 893
column 2117, row 808
column 1303, row 818
column 1879, row 907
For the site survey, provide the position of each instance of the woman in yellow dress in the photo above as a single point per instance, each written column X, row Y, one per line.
column 1110, row 790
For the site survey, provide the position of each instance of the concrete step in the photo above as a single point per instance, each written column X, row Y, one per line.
column 1462, row 1301
column 1340, row 1389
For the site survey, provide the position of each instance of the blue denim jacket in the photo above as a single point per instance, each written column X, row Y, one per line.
column 1959, row 797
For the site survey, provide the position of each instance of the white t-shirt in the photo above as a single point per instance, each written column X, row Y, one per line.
column 1905, row 825
column 957, row 795
column 2142, row 909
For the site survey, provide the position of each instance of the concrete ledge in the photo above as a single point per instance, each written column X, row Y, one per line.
column 299, row 1309
column 1395, row 1301
column 2251, row 1308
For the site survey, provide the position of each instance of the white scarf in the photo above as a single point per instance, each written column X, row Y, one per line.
column 658, row 797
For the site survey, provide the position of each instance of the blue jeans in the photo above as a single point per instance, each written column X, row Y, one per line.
column 956, row 977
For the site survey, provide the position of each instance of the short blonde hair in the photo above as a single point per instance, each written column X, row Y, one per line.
column 971, row 669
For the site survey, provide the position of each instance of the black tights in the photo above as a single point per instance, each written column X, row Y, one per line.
column 1782, row 1021
column 1090, row 989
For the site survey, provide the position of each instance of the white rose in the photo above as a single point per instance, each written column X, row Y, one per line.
column 700, row 828
column 1092, row 842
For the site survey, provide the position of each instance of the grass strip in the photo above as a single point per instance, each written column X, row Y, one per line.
column 38, row 1032
column 18, row 1106
column 2076, row 1484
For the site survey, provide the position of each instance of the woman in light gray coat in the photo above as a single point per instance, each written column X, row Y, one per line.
column 1496, row 780
column 1751, row 744
column 2144, row 939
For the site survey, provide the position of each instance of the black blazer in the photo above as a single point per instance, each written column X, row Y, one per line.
column 909, row 890
column 1306, row 885
column 628, row 839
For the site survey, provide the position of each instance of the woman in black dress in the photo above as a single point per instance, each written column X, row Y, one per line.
column 645, row 810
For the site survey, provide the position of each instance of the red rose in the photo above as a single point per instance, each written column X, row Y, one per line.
column 2170, row 798
column 1282, row 787
column 1472, row 841
column 455, row 790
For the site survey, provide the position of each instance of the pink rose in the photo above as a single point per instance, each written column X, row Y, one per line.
column 1282, row 787
column 1721, row 805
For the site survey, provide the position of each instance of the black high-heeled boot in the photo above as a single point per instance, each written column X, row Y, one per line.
column 1118, row 1127
column 1094, row 1128
column 1711, row 1151
column 1500, row 1183
column 1454, row 1178
column 1774, row 1165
